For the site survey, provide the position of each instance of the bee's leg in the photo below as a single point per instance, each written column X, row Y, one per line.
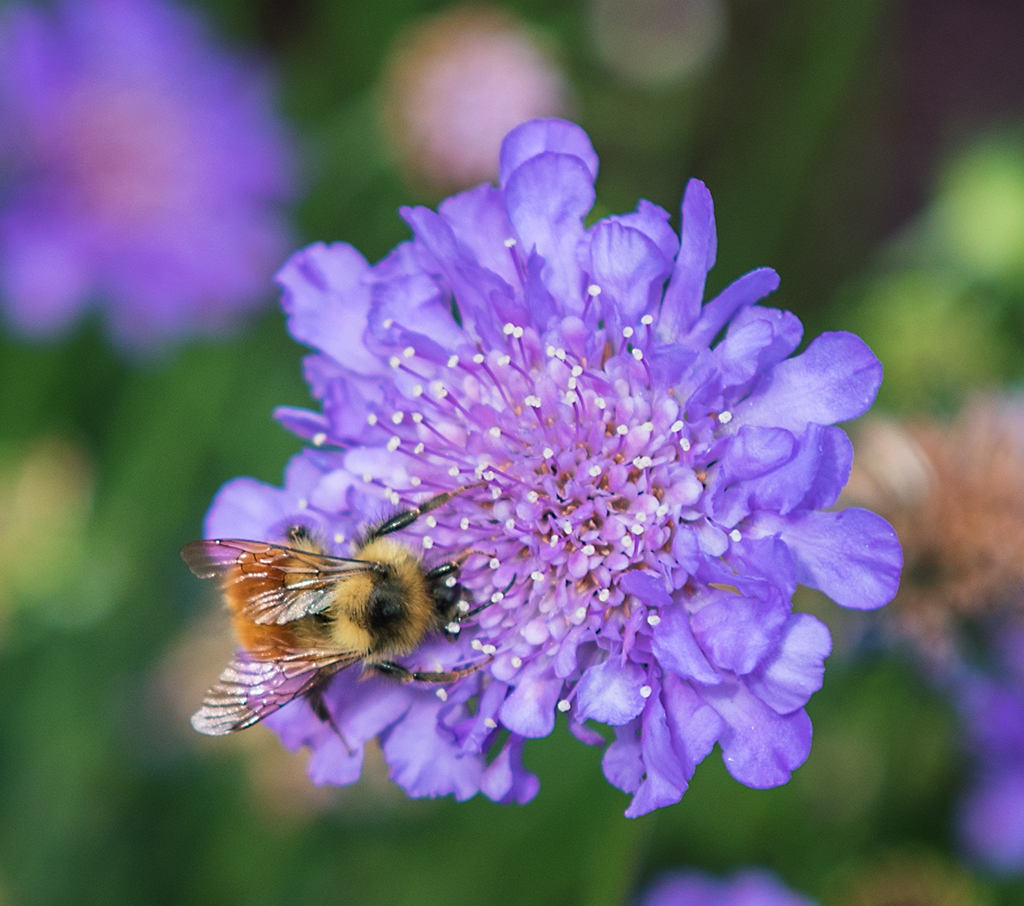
column 405, row 675
column 315, row 697
column 407, row 517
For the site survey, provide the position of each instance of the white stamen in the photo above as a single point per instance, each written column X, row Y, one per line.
column 464, row 523
column 431, row 521
column 437, row 389
column 504, row 360
column 367, row 477
column 428, row 542
column 463, row 606
column 725, row 417
column 408, row 352
column 572, row 397
column 661, row 512
column 677, row 426
column 572, row 383
column 603, row 595
column 339, row 537
column 643, row 462
column 488, row 476
column 685, row 444
column 566, row 527
column 594, row 290
column 494, row 431
column 647, row 320
column 638, row 354
column 560, row 355
column 453, row 471
column 394, row 443
column 419, row 448
column 599, row 402
column 653, row 619
column 495, row 493
column 494, row 563
column 533, row 401
column 641, row 517
column 478, row 359
column 622, row 430
column 645, row 691
column 397, row 418
column 510, row 242
column 388, row 322
column 576, row 371
column 627, row 332
column 394, row 361
column 415, row 481
column 371, row 419
column 490, row 723
column 417, row 390
column 532, row 496
column 508, row 328
column 581, row 613
column 442, row 693
column 476, row 644
column 594, row 471
column 453, row 360
column 553, row 540
column 497, row 597
column 547, row 453
column 589, row 550
column 636, row 529
column 537, row 576
column 451, row 582
column 302, row 503
column 510, row 524
column 488, row 649
column 564, row 705
column 453, row 628
column 319, row 439
column 550, row 351
column 516, row 662
column 417, row 417
column 735, row 535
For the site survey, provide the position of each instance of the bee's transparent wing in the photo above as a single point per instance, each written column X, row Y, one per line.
column 249, row 689
column 268, row 584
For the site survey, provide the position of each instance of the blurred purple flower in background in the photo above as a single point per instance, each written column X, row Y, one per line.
column 750, row 887
column 147, row 172
column 647, row 473
column 991, row 706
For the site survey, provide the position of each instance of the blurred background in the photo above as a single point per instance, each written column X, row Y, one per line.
column 871, row 152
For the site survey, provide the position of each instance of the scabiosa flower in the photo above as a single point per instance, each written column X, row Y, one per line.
column 751, row 887
column 148, row 170
column 646, row 496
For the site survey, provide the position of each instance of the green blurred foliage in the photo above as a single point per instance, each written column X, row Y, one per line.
column 105, row 794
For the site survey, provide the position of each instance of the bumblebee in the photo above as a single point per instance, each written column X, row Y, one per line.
column 301, row 615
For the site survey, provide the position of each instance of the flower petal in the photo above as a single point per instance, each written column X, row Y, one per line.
column 853, row 556
column 794, row 671
column 833, row 380
column 760, row 747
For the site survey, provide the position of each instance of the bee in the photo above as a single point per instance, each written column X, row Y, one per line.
column 302, row 615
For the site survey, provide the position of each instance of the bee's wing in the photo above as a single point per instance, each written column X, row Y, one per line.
column 249, row 689
column 267, row 583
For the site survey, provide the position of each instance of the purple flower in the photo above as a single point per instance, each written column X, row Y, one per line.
column 148, row 172
column 746, row 888
column 646, row 475
column 991, row 703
